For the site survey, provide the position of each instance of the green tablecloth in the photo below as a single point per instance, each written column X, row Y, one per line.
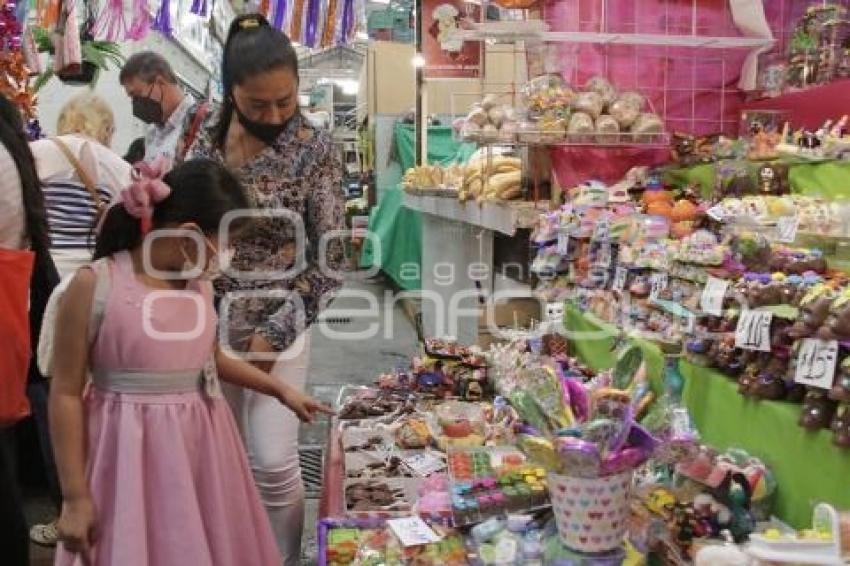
column 830, row 179
column 808, row 468
column 398, row 229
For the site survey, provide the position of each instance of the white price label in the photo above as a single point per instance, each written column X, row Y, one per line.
column 657, row 282
column 413, row 531
column 786, row 229
column 753, row 331
column 716, row 212
column 424, row 464
column 713, row 293
column 563, row 243
column 620, row 276
column 603, row 255
column 602, row 230
column 690, row 323
column 816, row 363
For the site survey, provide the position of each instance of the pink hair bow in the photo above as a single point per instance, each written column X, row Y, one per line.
column 146, row 190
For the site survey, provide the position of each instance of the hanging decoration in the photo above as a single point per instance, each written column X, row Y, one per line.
column 329, row 32
column 141, row 23
column 162, row 21
column 312, row 21
column 297, row 20
column 200, row 8
column 47, row 12
column 111, row 24
column 347, row 22
column 14, row 73
column 279, row 14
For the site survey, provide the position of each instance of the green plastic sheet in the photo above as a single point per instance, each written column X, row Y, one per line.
column 398, row 229
column 829, row 179
column 808, row 468
column 593, row 342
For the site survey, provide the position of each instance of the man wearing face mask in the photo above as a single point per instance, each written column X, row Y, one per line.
column 171, row 115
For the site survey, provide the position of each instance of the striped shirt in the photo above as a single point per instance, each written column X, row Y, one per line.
column 71, row 213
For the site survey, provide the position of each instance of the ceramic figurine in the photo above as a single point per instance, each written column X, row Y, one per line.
column 841, row 388
column 817, row 410
column 841, row 426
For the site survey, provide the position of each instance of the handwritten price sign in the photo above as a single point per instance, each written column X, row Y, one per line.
column 786, row 229
column 753, row 331
column 563, row 243
column 816, row 363
column 713, row 293
column 620, row 275
column 658, row 282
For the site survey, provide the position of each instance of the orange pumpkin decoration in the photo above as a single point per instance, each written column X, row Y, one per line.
column 684, row 210
column 680, row 230
column 659, row 208
column 655, row 195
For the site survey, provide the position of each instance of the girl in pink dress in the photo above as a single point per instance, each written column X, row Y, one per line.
column 152, row 468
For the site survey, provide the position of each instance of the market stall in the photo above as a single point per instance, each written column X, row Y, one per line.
column 689, row 246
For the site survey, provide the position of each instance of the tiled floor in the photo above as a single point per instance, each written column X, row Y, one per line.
column 335, row 361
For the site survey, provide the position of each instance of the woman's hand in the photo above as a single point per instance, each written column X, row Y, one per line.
column 303, row 405
column 76, row 524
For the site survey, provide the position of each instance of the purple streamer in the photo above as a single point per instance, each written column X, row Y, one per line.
column 312, row 17
column 279, row 14
column 199, row 8
column 162, row 22
column 347, row 21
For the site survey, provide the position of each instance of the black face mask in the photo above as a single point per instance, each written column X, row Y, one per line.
column 266, row 133
column 147, row 109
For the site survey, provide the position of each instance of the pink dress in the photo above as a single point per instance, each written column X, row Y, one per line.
column 165, row 463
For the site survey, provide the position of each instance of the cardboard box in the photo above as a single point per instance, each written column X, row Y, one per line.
column 520, row 313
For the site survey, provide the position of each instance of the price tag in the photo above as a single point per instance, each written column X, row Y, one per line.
column 658, row 282
column 413, row 531
column 424, row 464
column 816, row 363
column 602, row 230
column 563, row 243
column 786, row 229
column 690, row 323
column 713, row 293
column 620, row 276
column 753, row 331
column 716, row 212
column 603, row 255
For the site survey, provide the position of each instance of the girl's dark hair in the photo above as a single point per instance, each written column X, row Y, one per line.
column 253, row 47
column 44, row 275
column 202, row 191
column 15, row 140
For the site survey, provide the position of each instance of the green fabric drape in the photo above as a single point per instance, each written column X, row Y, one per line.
column 398, row 229
column 830, row 179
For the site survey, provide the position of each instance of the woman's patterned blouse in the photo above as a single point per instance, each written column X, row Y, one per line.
column 276, row 286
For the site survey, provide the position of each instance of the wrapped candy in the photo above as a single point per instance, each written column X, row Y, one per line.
column 647, row 125
column 607, row 127
column 548, row 94
column 590, row 103
column 624, row 112
column 632, row 98
column 580, row 123
column 603, row 88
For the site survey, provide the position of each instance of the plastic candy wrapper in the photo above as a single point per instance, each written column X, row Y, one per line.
column 670, row 423
column 539, row 451
column 603, row 88
column 548, row 94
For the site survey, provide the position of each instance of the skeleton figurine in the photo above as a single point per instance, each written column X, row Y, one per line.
column 554, row 341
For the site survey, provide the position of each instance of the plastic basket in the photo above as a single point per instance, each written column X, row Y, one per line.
column 591, row 513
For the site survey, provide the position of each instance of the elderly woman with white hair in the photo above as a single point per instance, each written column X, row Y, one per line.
column 80, row 175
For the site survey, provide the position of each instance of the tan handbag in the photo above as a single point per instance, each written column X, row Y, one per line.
column 84, row 177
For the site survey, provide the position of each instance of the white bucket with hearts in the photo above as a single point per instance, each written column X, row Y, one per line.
column 592, row 513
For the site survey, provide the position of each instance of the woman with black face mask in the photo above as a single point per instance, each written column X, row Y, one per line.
column 294, row 180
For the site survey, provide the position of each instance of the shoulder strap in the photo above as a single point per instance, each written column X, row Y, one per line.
column 102, row 287
column 84, row 177
column 194, row 128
